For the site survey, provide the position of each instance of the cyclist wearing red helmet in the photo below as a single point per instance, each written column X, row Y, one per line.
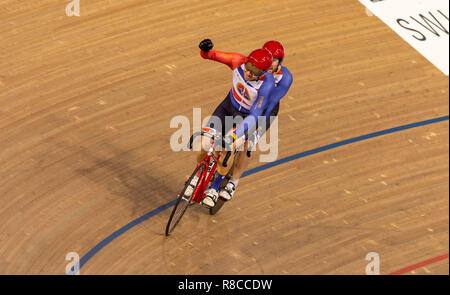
column 283, row 77
column 248, row 98
column 283, row 81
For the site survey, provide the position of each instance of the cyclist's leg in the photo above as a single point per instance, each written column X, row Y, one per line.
column 242, row 161
column 223, row 153
column 240, row 165
column 217, row 124
column 214, row 124
column 221, row 171
column 213, row 192
column 232, row 114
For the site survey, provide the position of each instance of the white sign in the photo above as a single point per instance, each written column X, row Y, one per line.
column 424, row 24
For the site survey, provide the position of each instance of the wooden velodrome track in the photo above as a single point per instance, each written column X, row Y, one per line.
column 85, row 108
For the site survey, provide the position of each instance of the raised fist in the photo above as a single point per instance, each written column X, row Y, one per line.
column 206, row 45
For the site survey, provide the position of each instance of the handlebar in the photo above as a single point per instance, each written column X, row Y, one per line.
column 225, row 160
column 252, row 139
column 218, row 140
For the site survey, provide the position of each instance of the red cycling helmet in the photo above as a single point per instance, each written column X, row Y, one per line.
column 260, row 59
column 276, row 48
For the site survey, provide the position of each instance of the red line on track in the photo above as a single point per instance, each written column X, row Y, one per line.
column 419, row 265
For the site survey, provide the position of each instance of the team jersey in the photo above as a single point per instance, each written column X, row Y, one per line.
column 283, row 81
column 253, row 97
column 278, row 75
column 243, row 93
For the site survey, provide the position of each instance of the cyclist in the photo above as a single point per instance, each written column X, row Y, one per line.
column 283, row 81
column 249, row 97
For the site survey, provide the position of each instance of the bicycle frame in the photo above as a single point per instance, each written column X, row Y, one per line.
column 183, row 201
column 200, row 190
column 203, row 181
column 205, row 178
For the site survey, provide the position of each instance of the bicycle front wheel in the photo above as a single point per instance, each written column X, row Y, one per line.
column 185, row 198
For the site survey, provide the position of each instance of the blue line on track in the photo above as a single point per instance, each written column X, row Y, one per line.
column 341, row 143
column 122, row 230
column 158, row 210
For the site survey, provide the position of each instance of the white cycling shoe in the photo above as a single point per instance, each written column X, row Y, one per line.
column 211, row 198
column 228, row 191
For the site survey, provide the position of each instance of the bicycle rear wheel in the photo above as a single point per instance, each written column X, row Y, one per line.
column 184, row 201
column 217, row 207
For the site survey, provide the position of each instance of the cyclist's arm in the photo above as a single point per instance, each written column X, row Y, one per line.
column 258, row 107
column 231, row 59
column 280, row 91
